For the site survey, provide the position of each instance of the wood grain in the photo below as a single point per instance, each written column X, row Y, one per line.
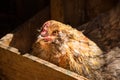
column 57, row 10
column 16, row 67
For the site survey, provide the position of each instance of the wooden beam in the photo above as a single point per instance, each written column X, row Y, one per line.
column 57, row 10
column 17, row 67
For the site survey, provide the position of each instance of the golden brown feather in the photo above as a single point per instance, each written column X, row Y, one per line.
column 68, row 48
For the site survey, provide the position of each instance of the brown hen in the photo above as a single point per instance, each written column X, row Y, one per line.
column 68, row 48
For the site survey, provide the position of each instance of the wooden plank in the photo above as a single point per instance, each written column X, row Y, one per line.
column 78, row 12
column 57, row 10
column 74, row 12
column 68, row 11
column 5, row 40
column 16, row 67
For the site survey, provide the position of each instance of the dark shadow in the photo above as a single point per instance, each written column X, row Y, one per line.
column 25, row 34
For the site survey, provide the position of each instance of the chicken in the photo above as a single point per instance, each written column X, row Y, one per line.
column 111, row 71
column 67, row 47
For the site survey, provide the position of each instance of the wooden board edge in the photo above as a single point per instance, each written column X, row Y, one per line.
column 55, row 67
column 15, row 66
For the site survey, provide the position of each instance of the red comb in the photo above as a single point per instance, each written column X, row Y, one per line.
column 44, row 30
column 46, row 24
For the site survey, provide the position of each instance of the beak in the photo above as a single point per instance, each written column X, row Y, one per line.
column 43, row 34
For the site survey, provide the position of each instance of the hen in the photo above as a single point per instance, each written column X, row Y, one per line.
column 111, row 71
column 68, row 48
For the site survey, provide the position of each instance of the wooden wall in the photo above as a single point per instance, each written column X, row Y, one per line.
column 16, row 12
column 77, row 12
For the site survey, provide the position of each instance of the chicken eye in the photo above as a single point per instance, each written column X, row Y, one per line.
column 55, row 32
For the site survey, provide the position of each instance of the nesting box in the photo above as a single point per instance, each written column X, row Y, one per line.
column 17, row 64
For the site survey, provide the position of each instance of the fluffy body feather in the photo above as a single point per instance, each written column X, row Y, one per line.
column 68, row 48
